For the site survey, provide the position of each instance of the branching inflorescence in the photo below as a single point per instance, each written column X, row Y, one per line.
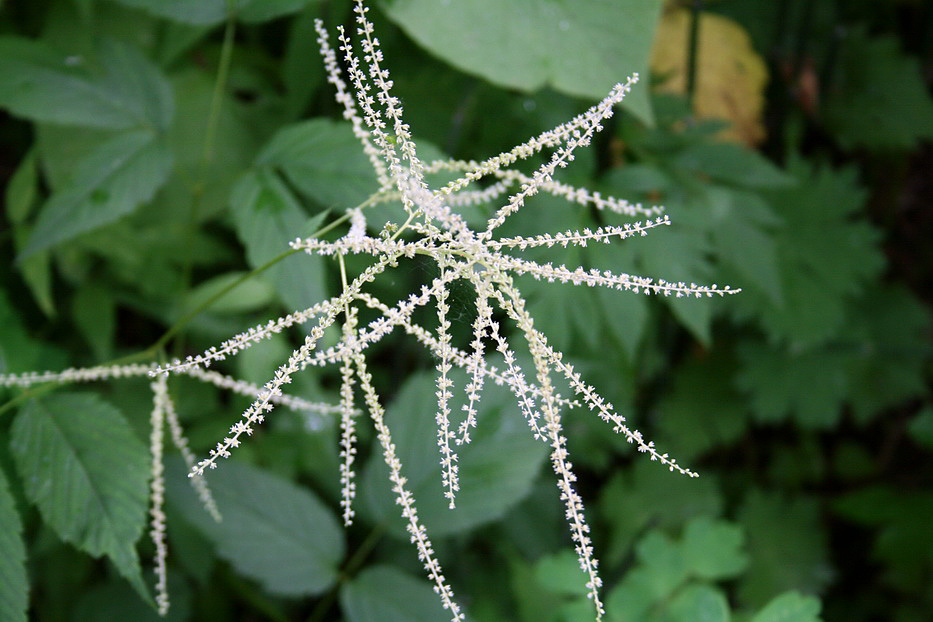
column 433, row 228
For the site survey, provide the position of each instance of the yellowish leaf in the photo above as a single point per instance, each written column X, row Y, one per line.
column 730, row 75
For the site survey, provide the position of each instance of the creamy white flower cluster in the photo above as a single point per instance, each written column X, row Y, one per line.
column 433, row 227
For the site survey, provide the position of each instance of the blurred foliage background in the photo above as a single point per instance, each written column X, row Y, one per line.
column 153, row 151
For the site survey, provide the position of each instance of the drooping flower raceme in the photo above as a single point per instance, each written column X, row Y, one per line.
column 434, row 228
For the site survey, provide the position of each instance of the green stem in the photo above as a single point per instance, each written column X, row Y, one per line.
column 359, row 556
column 207, row 154
column 693, row 49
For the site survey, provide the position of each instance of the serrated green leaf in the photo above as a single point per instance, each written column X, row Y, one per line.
column 323, row 160
column 386, row 594
column 267, row 217
column 14, row 585
column 41, row 84
column 664, row 562
column 698, row 603
column 886, row 339
column 790, row 607
column 786, row 547
column 650, row 494
column 702, row 410
column 497, row 469
column 825, row 255
column 581, row 49
column 743, row 227
column 713, row 549
column 21, row 190
column 273, row 531
column 879, row 99
column 109, row 183
column 773, row 377
column 732, row 164
column 83, row 467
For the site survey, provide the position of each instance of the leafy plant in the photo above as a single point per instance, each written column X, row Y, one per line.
column 171, row 151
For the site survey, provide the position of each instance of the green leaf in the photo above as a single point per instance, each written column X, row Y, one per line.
column 772, row 377
column 561, row 573
column 921, row 427
column 36, row 272
column 212, row 12
column 880, row 100
column 250, row 295
column 581, row 49
column 41, row 84
column 664, row 562
column 497, row 469
column 94, row 314
column 786, row 546
column 83, row 467
column 698, row 603
column 826, row 254
column 273, row 531
column 790, row 607
column 713, row 549
column 323, row 160
column 109, row 183
column 267, row 217
column 702, row 410
column 648, row 494
column 22, row 189
column 386, row 594
column 732, row 164
column 14, row 585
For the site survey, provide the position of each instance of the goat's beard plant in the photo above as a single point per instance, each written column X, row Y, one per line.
column 431, row 227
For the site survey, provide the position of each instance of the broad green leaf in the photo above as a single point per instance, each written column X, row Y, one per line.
column 111, row 601
column 109, row 183
column 267, row 217
column 323, row 160
column 212, row 12
column 790, row 607
column 83, row 467
column 273, row 531
column 497, row 469
column 786, row 547
column 14, row 584
column 386, row 594
column 698, row 603
column 713, row 549
column 581, row 49
column 41, row 84
column 880, row 100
